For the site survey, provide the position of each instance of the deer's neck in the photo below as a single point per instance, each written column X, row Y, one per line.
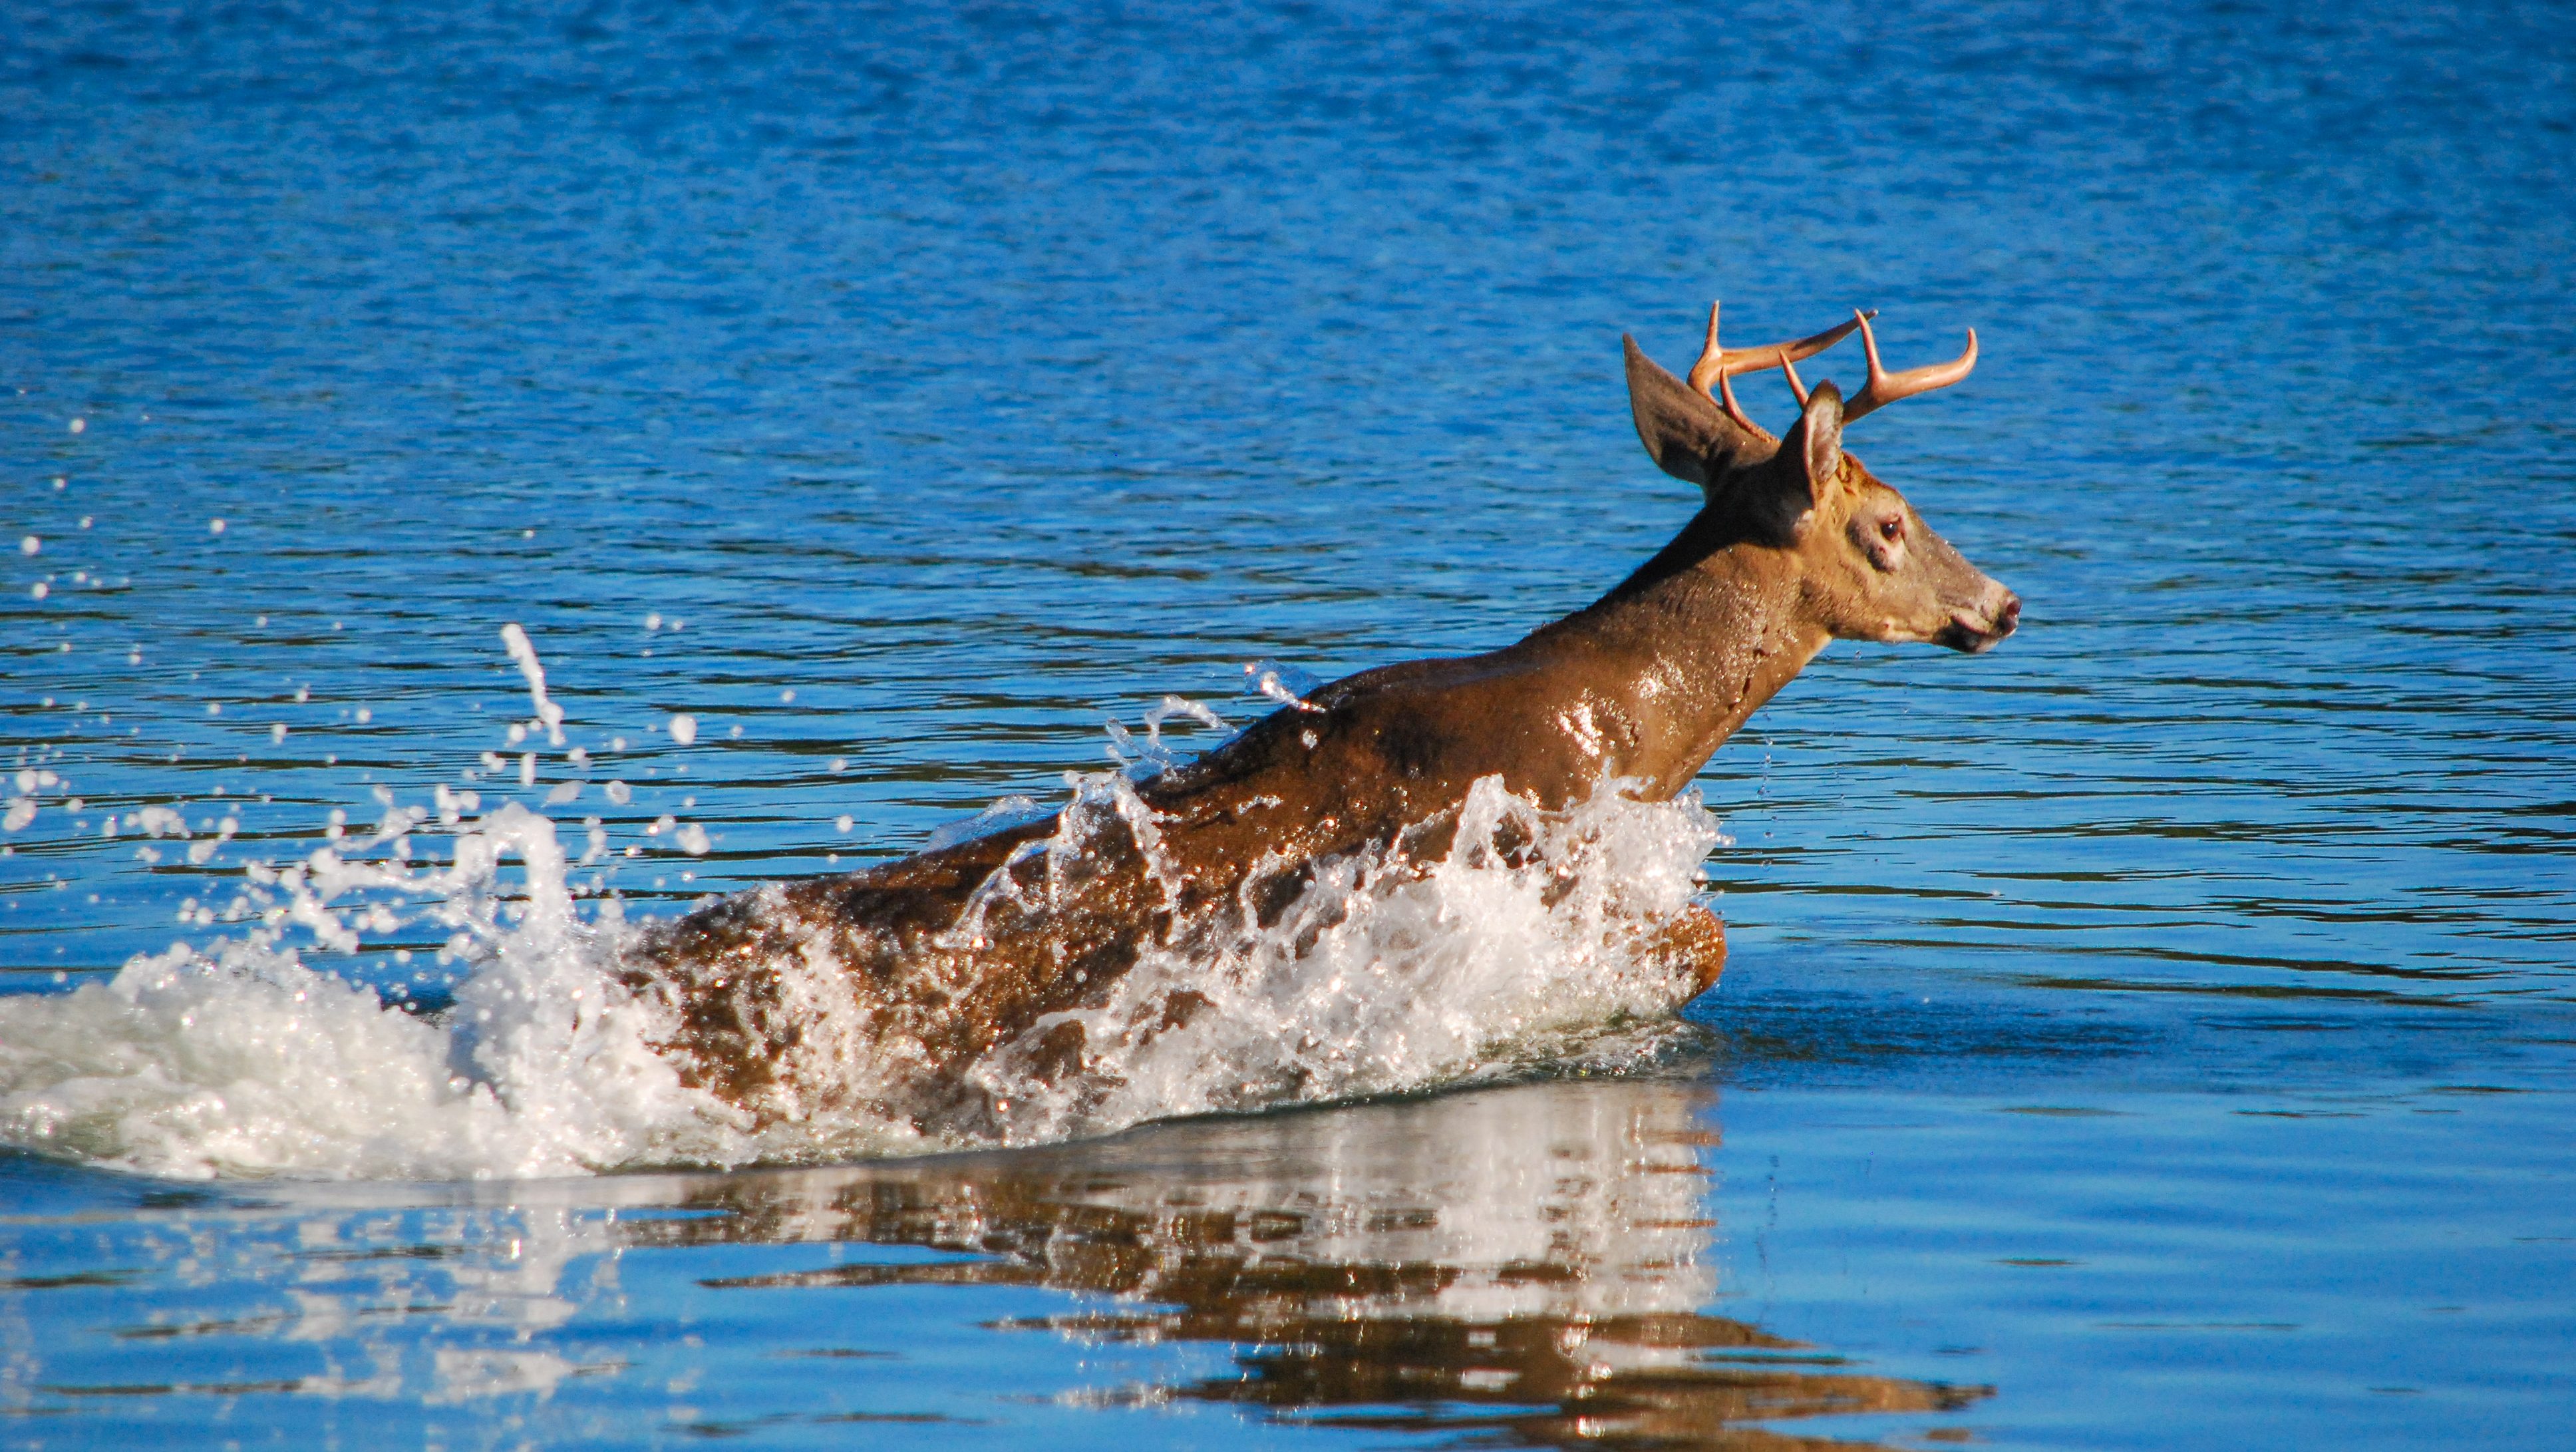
column 1687, row 648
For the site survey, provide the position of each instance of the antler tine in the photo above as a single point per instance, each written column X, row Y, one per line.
column 1734, row 410
column 1789, row 371
column 1718, row 365
column 1885, row 388
column 1711, row 357
column 1711, row 368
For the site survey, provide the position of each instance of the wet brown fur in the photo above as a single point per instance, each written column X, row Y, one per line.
column 1789, row 551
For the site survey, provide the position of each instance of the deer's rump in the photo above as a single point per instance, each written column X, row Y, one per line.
column 1119, row 960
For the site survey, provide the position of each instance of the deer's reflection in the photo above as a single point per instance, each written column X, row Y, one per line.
column 1529, row 1264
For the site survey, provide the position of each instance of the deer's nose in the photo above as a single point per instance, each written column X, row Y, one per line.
column 2008, row 614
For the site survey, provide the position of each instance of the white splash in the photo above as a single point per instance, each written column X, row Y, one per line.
column 239, row 1059
column 1520, row 948
column 550, row 716
column 1523, row 946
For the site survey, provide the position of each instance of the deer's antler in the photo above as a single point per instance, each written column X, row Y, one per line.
column 1884, row 387
column 1718, row 365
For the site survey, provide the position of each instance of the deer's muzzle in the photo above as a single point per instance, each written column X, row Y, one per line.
column 1974, row 631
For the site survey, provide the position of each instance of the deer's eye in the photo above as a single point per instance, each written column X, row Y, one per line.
column 1891, row 528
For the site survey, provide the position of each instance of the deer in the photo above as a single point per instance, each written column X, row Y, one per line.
column 976, row 950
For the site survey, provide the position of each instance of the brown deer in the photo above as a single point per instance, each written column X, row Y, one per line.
column 955, row 954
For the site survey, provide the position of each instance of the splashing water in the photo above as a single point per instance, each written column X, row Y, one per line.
column 1516, row 951
column 237, row 1058
column 1519, row 948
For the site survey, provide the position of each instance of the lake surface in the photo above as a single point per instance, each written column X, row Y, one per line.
column 2159, row 1031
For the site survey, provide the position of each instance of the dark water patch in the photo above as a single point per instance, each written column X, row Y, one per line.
column 238, row 1326
column 385, row 1252
column 1769, row 1032
column 2474, row 1089
column 2243, row 990
column 2201, row 1326
column 72, row 1280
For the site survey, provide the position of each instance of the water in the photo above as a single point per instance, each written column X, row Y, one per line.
column 2155, row 1031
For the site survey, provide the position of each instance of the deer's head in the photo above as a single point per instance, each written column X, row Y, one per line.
column 1867, row 567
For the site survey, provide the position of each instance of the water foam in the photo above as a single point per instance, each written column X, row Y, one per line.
column 1524, row 944
column 1520, row 947
column 238, row 1058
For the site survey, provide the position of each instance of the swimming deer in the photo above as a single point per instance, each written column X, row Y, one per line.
column 955, row 955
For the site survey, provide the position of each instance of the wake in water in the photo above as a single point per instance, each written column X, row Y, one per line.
column 1517, row 946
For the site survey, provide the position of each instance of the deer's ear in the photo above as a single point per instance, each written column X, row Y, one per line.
column 1815, row 442
column 1685, row 434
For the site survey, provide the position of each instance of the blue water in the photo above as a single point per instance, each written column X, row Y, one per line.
column 2158, row 1031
